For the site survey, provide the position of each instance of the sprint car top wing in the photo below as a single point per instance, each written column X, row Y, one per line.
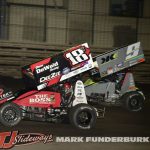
column 119, row 59
column 60, row 67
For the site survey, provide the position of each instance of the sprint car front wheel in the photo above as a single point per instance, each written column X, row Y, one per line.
column 10, row 114
column 83, row 116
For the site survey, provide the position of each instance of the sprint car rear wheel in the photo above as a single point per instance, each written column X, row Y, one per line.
column 133, row 101
column 83, row 116
column 10, row 114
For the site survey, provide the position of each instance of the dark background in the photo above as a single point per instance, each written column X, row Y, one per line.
column 31, row 30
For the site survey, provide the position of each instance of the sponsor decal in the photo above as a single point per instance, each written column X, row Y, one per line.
column 110, row 70
column 79, row 88
column 83, row 65
column 42, row 98
column 49, row 77
column 75, row 72
column 11, row 139
column 131, row 80
column 84, row 68
column 80, row 83
column 120, row 65
column 109, row 58
column 133, row 62
column 66, row 70
column 5, row 95
column 81, row 68
column 50, row 67
column 79, row 94
column 42, row 86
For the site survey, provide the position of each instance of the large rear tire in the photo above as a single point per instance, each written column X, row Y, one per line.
column 133, row 101
column 83, row 116
column 10, row 114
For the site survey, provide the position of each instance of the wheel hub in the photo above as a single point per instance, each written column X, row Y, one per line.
column 84, row 118
column 134, row 102
column 10, row 115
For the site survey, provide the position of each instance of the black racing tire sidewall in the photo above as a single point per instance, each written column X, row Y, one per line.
column 128, row 98
column 17, row 110
column 81, row 108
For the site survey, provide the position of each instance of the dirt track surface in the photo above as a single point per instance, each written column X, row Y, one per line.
column 117, row 122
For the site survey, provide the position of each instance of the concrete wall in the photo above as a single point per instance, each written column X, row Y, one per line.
column 74, row 25
column 56, row 26
column 38, row 2
column 23, row 26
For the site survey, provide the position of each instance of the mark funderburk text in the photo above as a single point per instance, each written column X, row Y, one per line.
column 103, row 139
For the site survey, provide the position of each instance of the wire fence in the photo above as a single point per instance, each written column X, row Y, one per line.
column 101, row 23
